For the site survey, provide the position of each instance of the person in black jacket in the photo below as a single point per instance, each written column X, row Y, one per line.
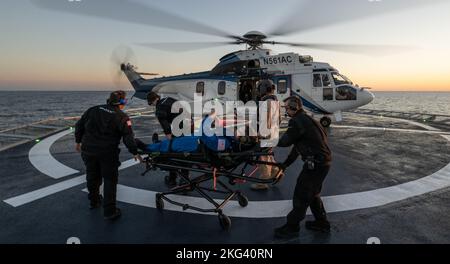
column 163, row 111
column 97, row 135
column 165, row 117
column 310, row 141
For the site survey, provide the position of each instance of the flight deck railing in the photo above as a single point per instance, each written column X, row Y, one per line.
column 13, row 137
column 436, row 120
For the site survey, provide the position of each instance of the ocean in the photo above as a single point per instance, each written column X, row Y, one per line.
column 23, row 107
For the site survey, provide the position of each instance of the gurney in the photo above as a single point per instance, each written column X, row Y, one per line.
column 218, row 172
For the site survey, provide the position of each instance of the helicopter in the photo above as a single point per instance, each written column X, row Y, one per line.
column 321, row 87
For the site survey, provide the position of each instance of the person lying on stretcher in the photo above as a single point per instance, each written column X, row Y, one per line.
column 191, row 144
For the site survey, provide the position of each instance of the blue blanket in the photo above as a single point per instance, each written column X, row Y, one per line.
column 191, row 144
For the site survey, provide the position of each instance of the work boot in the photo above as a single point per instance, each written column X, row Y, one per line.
column 287, row 232
column 114, row 216
column 170, row 181
column 96, row 202
column 318, row 225
column 259, row 187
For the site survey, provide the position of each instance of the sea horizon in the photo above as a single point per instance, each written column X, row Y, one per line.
column 131, row 90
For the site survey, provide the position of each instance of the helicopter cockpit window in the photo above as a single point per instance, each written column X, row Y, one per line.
column 345, row 93
column 200, row 89
column 340, row 79
column 317, row 81
column 282, row 87
column 221, row 88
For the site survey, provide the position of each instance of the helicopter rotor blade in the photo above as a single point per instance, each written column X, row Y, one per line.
column 315, row 14
column 130, row 11
column 187, row 46
column 148, row 73
column 372, row 50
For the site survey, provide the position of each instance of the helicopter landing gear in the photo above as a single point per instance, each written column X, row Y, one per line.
column 325, row 121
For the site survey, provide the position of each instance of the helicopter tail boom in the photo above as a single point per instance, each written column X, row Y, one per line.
column 141, row 85
column 136, row 80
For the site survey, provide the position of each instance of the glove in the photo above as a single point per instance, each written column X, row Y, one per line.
column 138, row 157
column 280, row 174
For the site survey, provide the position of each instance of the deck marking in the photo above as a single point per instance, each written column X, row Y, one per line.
column 44, row 192
column 427, row 127
column 275, row 209
column 41, row 158
column 263, row 209
column 395, row 130
column 55, row 188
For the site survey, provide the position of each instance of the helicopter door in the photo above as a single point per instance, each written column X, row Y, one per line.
column 247, row 90
column 283, row 86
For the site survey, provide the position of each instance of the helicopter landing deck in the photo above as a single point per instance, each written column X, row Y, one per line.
column 386, row 172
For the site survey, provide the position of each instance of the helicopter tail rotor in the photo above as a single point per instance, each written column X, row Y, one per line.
column 121, row 58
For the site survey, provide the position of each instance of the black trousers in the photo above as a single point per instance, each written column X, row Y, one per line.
column 307, row 194
column 102, row 168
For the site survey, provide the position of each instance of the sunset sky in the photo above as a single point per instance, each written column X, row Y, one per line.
column 41, row 49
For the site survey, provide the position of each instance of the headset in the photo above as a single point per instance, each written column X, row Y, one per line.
column 117, row 98
column 123, row 101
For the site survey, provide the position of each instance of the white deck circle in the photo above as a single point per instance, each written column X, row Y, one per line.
column 255, row 209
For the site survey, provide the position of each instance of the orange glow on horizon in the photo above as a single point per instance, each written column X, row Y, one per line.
column 101, row 77
column 390, row 83
column 426, row 83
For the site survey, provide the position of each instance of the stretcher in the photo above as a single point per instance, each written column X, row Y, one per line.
column 215, row 172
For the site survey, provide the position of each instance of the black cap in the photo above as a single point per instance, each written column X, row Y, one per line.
column 116, row 97
column 152, row 96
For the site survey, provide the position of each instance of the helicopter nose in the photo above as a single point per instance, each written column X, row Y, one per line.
column 368, row 97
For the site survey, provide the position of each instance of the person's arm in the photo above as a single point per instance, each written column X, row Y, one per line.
column 79, row 131
column 163, row 121
column 291, row 158
column 291, row 136
column 128, row 137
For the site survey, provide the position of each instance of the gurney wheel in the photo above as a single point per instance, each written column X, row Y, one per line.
column 225, row 221
column 159, row 202
column 243, row 200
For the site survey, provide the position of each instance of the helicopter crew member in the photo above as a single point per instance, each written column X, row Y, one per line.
column 266, row 89
column 310, row 141
column 97, row 135
column 165, row 117
column 245, row 92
